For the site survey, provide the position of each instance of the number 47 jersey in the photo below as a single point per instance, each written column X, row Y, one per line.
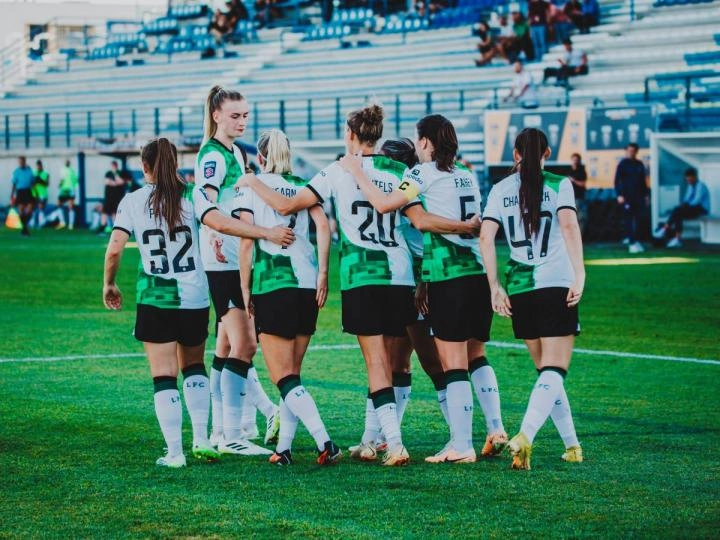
column 541, row 261
column 170, row 275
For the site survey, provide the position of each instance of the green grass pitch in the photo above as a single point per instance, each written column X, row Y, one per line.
column 78, row 438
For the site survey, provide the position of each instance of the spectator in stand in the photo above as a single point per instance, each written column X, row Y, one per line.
column 520, row 41
column 224, row 22
column 487, row 46
column 538, row 16
column 696, row 203
column 591, row 15
column 573, row 63
column 22, row 182
column 115, row 190
column 40, row 194
column 559, row 25
column 633, row 195
column 574, row 11
column 523, row 88
column 578, row 177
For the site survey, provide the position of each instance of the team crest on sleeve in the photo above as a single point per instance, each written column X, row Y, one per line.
column 209, row 170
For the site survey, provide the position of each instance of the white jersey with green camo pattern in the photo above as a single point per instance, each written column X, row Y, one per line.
column 541, row 261
column 218, row 168
column 372, row 250
column 453, row 195
column 171, row 274
column 278, row 267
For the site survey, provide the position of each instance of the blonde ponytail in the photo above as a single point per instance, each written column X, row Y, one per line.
column 274, row 146
column 214, row 101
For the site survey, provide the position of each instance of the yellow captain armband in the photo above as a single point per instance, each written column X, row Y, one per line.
column 410, row 191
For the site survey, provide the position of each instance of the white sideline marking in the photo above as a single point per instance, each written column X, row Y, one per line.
column 348, row 346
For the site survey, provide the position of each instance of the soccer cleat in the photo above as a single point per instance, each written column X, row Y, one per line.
column 520, row 450
column 395, row 458
column 272, row 427
column 495, row 443
column 450, row 455
column 659, row 233
column 637, row 247
column 363, row 452
column 59, row 226
column 281, row 458
column 674, row 243
column 331, row 454
column 573, row 455
column 626, row 242
column 242, row 447
column 173, row 462
column 205, row 451
column 215, row 439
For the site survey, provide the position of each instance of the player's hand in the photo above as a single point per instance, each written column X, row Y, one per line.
column 245, row 180
column 473, row 225
column 112, row 297
column 351, row 163
column 421, row 299
column 621, row 199
column 575, row 294
column 216, row 242
column 322, row 289
column 501, row 302
column 281, row 236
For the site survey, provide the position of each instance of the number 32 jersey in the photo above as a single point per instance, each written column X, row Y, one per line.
column 373, row 250
column 171, row 274
column 541, row 261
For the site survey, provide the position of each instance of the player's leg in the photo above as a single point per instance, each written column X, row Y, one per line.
column 222, row 351
column 484, row 381
column 71, row 214
column 426, row 351
column 400, row 350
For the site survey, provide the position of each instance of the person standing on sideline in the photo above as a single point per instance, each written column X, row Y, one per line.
column 21, row 196
column 632, row 194
column 578, row 177
column 40, row 194
column 696, row 203
column 67, row 191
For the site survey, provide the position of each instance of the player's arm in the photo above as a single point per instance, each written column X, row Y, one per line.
column 381, row 201
column 500, row 300
column 305, row 198
column 427, row 222
column 245, row 257
column 322, row 228
column 573, row 241
column 218, row 221
column 112, row 297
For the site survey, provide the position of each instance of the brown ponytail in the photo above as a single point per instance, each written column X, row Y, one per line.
column 441, row 133
column 214, row 101
column 367, row 124
column 160, row 156
column 531, row 144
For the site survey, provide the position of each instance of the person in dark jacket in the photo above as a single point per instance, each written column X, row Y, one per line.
column 632, row 194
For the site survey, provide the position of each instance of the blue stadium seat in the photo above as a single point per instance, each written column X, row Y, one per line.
column 188, row 11
column 696, row 59
column 330, row 31
column 164, row 25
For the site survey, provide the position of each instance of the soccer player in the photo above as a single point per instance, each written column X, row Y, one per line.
column 289, row 286
column 172, row 300
column 545, row 278
column 40, row 194
column 458, row 293
column 22, row 182
column 220, row 162
column 67, row 192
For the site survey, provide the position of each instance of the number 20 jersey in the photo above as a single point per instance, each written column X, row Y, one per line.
column 541, row 261
column 373, row 250
column 171, row 274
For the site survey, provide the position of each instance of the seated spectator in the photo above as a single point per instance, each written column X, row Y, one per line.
column 487, row 46
column 523, row 88
column 520, row 41
column 224, row 23
column 538, row 15
column 573, row 63
column 574, row 11
column 591, row 15
column 559, row 26
column 696, row 203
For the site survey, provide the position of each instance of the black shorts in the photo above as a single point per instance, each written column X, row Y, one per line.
column 188, row 327
column 225, row 291
column 286, row 312
column 378, row 310
column 24, row 196
column 460, row 308
column 544, row 313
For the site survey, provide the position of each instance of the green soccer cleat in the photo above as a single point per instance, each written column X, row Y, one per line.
column 205, row 451
column 520, row 450
column 272, row 427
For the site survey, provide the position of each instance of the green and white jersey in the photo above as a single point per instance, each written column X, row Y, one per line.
column 541, row 261
column 218, row 168
column 453, row 195
column 68, row 181
column 171, row 273
column 278, row 267
column 372, row 250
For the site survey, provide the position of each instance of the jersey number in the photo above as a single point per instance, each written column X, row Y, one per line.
column 464, row 214
column 545, row 223
column 382, row 237
column 158, row 252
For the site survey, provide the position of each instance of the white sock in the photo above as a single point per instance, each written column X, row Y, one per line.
column 71, row 219
column 542, row 399
column 442, row 401
column 402, row 389
column 196, row 390
column 387, row 417
column 460, row 410
column 249, row 414
column 216, row 396
column 563, row 420
column 302, row 405
column 41, row 218
column 233, row 382
column 169, row 413
column 288, row 427
column 259, row 397
column 486, row 389
column 372, row 424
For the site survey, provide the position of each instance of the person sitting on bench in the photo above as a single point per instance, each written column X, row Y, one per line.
column 696, row 203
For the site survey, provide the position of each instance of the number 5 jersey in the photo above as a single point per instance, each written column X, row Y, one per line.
column 170, row 274
column 541, row 261
column 373, row 250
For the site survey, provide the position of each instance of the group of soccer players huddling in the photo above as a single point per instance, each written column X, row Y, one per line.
column 413, row 276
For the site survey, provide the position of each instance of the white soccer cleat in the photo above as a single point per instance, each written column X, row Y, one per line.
column 637, row 247
column 674, row 243
column 450, row 455
column 272, row 427
column 363, row 452
column 172, row 462
column 659, row 233
column 242, row 447
column 396, row 457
